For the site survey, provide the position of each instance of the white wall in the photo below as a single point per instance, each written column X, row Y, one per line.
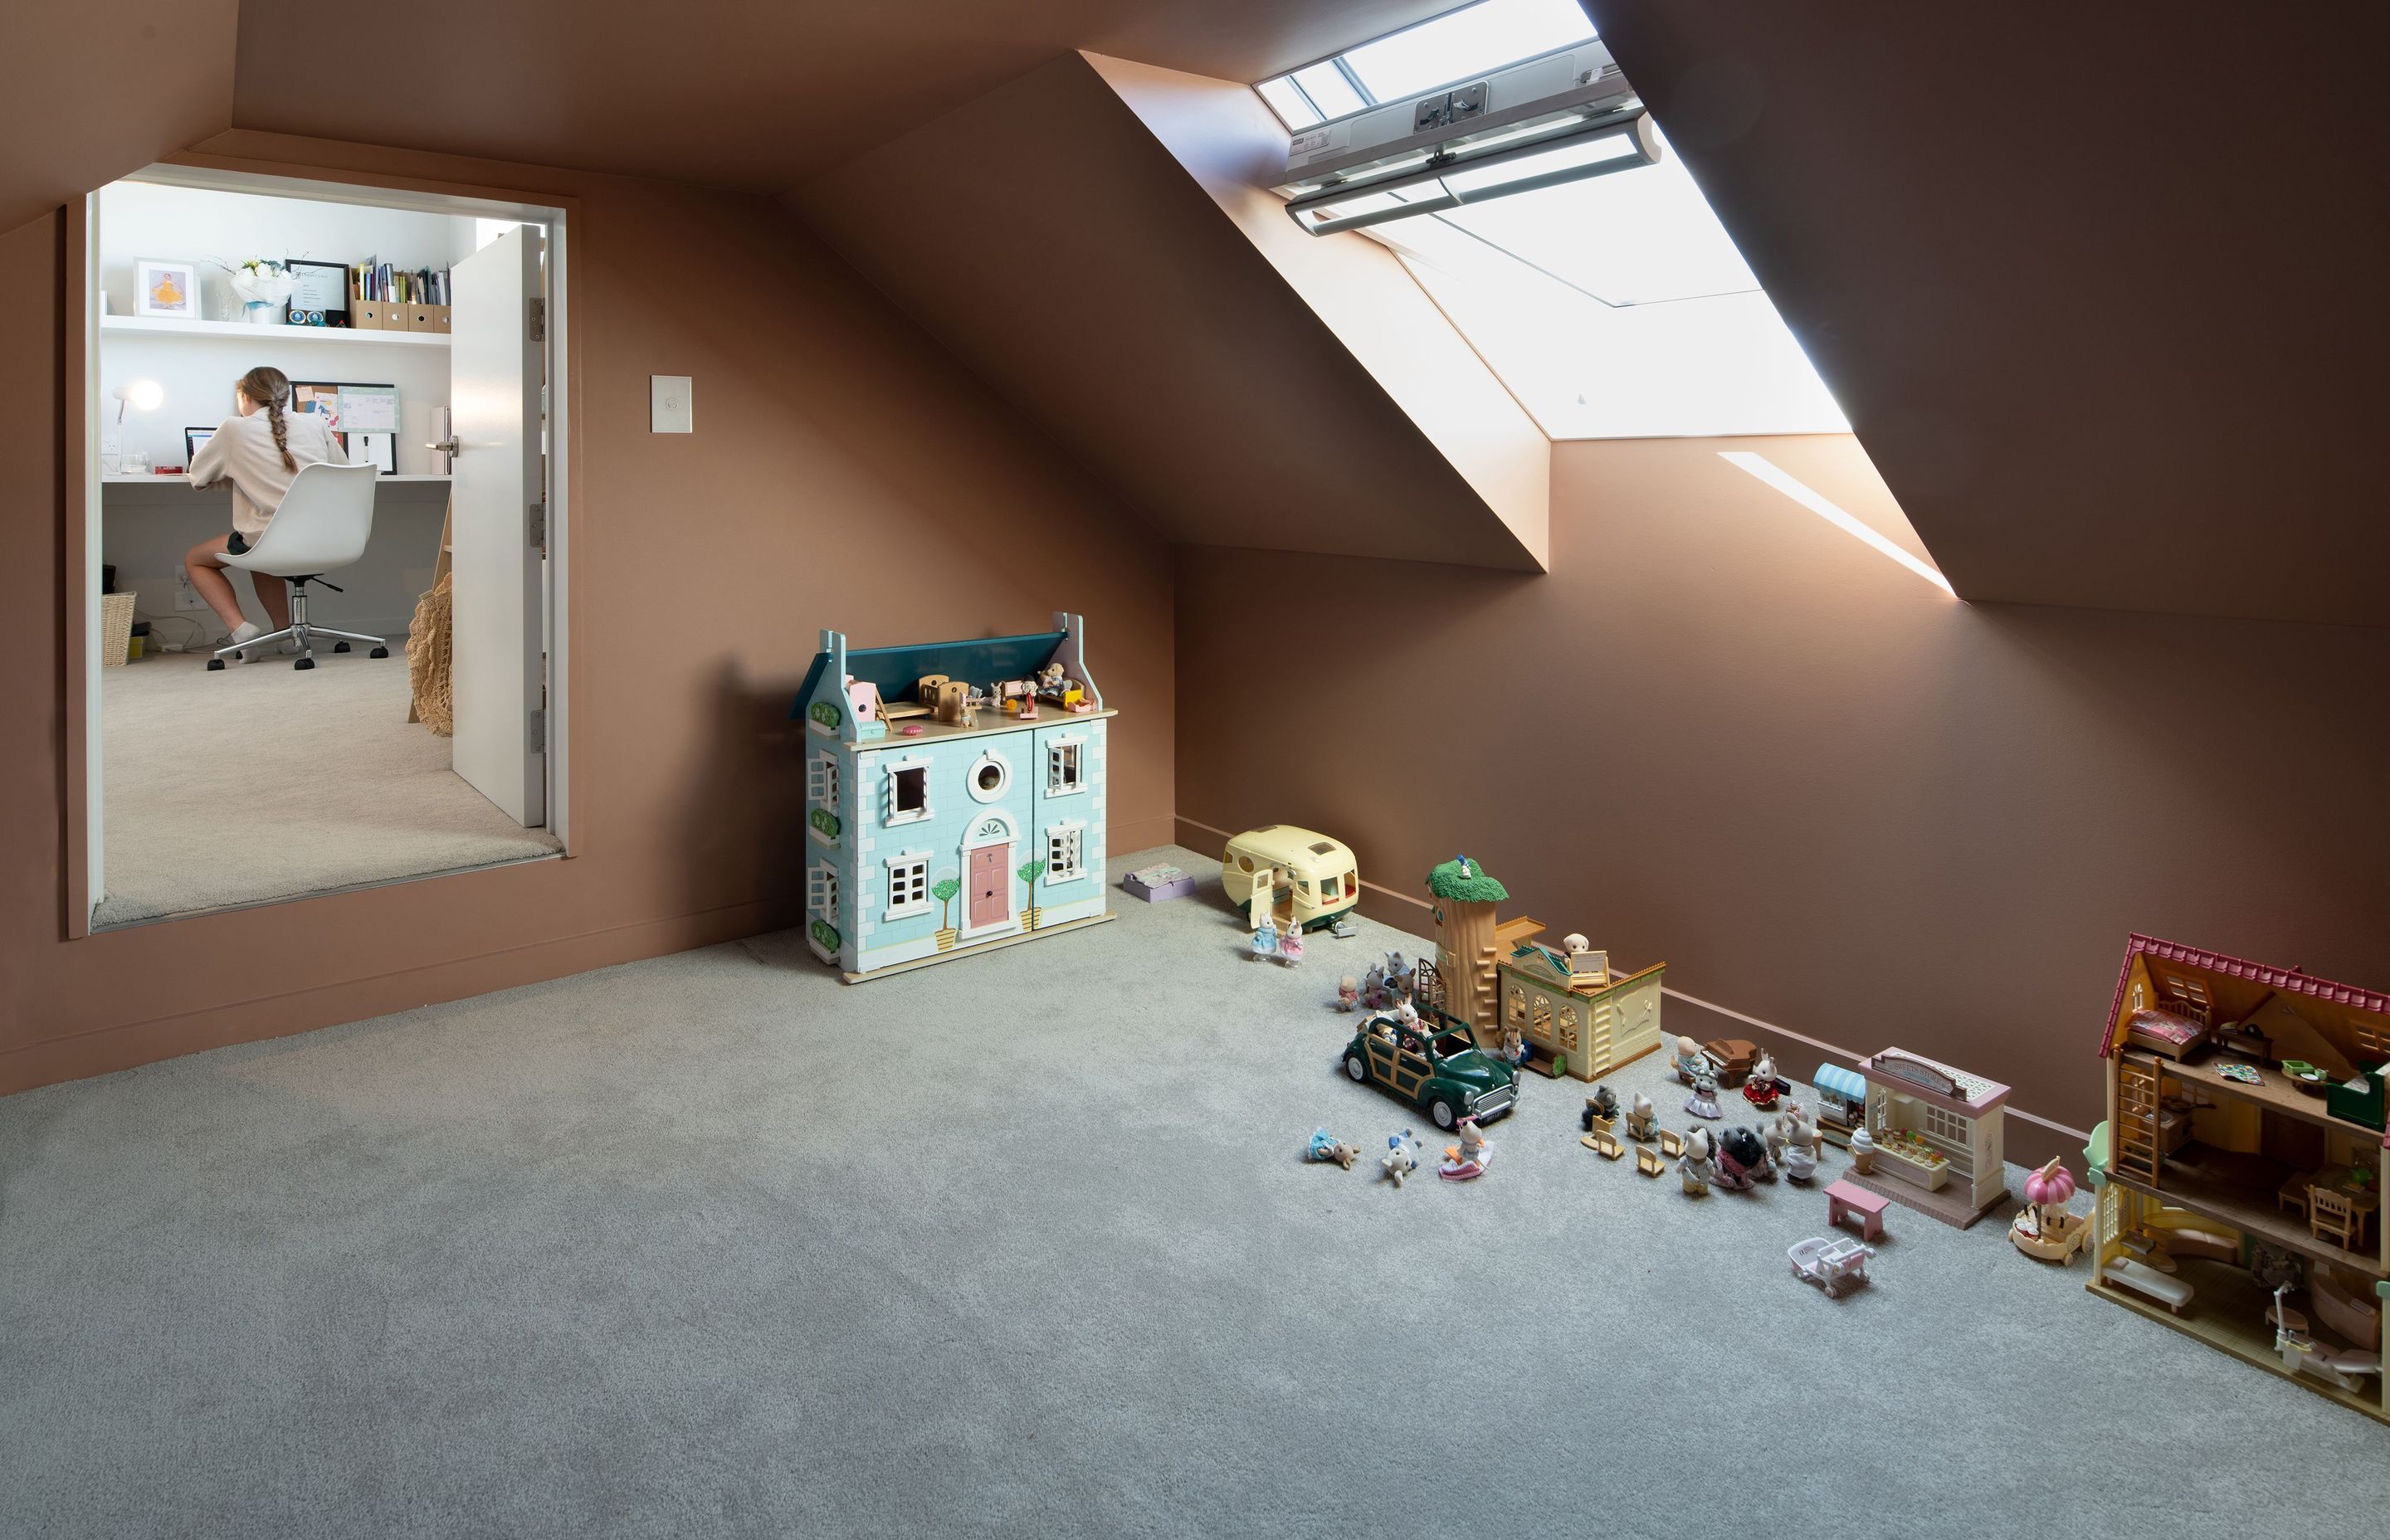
column 145, row 530
column 139, row 219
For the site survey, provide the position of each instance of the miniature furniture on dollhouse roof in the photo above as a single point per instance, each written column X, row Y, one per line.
column 2237, row 1173
column 955, row 797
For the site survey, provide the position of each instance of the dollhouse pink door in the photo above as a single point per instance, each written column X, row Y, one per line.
column 991, row 882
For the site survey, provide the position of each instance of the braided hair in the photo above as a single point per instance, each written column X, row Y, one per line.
column 270, row 388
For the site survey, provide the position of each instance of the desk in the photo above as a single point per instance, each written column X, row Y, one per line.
column 149, row 521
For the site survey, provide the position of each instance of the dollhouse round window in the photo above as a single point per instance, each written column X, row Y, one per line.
column 990, row 777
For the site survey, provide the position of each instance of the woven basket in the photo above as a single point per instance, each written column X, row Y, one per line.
column 115, row 629
column 426, row 660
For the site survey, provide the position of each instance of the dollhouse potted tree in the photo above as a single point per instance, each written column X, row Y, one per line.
column 945, row 891
column 1030, row 872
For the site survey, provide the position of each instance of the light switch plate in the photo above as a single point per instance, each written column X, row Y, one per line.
column 669, row 408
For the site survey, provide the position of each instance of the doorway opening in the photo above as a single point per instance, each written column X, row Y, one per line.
column 324, row 540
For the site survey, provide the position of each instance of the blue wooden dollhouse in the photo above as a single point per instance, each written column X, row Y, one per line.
column 940, row 819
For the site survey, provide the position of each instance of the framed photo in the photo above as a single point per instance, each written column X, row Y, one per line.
column 323, row 287
column 166, row 289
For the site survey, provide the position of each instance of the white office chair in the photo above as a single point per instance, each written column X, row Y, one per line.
column 323, row 523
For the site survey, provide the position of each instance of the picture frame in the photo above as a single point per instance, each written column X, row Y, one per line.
column 322, row 288
column 167, row 289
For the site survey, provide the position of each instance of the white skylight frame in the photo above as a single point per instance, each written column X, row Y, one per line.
column 1470, row 40
column 1612, row 305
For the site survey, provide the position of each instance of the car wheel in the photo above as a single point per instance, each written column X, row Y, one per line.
column 1356, row 1068
column 1441, row 1110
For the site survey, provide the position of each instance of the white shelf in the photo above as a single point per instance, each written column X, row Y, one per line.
column 163, row 325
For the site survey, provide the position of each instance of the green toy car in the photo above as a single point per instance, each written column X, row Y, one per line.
column 1438, row 1070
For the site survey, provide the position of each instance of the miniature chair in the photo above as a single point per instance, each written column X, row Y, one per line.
column 2330, row 1216
column 323, row 523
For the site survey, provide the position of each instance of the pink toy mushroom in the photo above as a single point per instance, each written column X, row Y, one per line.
column 2047, row 1190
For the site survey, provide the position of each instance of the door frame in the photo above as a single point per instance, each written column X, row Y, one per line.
column 990, row 828
column 80, row 547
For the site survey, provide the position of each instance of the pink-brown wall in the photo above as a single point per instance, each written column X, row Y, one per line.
column 1723, row 734
column 844, row 474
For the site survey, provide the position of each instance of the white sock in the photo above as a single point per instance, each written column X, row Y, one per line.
column 243, row 632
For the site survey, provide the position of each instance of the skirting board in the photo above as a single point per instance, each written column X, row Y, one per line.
column 978, row 948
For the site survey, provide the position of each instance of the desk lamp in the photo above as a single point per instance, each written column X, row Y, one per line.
column 144, row 395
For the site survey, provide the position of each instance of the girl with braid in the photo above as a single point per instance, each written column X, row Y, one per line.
column 259, row 450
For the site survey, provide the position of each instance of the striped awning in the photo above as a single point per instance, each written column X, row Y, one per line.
column 1847, row 1084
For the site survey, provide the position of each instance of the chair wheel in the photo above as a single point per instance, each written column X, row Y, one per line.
column 379, row 652
column 305, row 662
column 339, row 647
column 214, row 664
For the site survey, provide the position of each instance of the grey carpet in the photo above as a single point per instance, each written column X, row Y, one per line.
column 261, row 782
column 716, row 1245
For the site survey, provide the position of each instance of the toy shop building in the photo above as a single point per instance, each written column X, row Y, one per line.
column 931, row 838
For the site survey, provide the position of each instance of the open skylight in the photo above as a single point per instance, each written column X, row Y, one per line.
column 1611, row 307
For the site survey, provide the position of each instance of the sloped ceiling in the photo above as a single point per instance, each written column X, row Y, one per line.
column 756, row 94
column 1048, row 238
column 2098, row 286
column 94, row 91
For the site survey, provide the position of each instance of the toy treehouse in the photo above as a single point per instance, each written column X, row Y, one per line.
column 1556, row 1010
column 2242, row 1162
column 1574, row 1015
column 1938, row 1137
column 954, row 797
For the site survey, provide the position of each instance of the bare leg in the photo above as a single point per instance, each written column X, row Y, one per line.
column 274, row 594
column 204, row 562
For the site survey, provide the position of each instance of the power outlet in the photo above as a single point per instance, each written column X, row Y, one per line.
column 187, row 596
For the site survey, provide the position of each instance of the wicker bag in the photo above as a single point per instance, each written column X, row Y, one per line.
column 115, row 629
column 427, row 659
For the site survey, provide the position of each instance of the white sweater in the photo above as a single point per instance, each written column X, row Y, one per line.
column 242, row 451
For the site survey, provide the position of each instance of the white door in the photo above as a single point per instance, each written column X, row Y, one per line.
column 498, row 669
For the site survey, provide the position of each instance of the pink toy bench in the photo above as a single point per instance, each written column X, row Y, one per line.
column 1842, row 1199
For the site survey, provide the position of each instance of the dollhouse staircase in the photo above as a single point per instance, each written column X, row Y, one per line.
column 2136, row 1119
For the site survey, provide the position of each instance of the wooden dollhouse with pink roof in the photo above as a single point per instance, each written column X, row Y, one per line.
column 2241, row 1168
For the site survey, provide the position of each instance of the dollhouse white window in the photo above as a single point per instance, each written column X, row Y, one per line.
column 1065, row 767
column 1065, row 852
column 990, row 777
column 821, row 780
column 909, row 792
column 1518, row 1005
column 908, row 885
column 821, row 890
column 1946, row 1126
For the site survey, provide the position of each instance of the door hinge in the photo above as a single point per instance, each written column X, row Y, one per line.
column 537, row 311
column 539, row 731
column 539, row 524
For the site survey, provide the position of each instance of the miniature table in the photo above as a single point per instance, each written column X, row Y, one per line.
column 1843, row 1200
column 2340, row 1179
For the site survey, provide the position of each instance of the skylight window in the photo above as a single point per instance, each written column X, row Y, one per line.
column 1437, row 52
column 1611, row 306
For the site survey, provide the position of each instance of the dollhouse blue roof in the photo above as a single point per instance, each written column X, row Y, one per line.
column 897, row 669
column 1847, row 1084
